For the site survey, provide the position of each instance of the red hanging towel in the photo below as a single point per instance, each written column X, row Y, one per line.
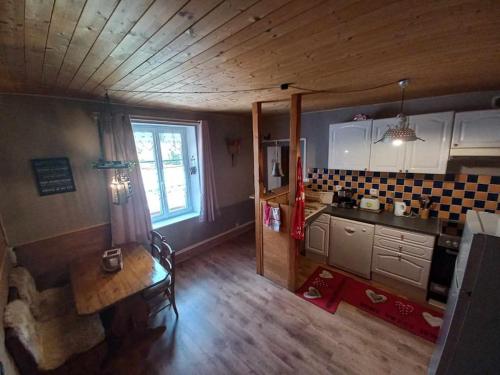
column 298, row 222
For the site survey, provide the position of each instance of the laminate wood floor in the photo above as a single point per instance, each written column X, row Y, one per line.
column 233, row 321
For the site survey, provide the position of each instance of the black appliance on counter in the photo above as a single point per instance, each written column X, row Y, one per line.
column 343, row 198
column 443, row 259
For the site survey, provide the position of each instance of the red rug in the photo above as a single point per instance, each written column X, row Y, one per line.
column 326, row 289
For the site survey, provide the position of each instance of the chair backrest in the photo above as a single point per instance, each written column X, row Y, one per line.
column 162, row 251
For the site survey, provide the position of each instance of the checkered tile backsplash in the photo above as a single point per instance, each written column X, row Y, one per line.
column 452, row 194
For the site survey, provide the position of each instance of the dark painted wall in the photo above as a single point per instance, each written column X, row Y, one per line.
column 315, row 124
column 35, row 127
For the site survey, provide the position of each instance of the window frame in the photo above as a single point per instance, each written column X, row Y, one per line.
column 156, row 128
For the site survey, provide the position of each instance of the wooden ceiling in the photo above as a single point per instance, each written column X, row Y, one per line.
column 83, row 47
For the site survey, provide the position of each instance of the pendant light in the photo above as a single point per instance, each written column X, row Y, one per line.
column 277, row 171
column 401, row 132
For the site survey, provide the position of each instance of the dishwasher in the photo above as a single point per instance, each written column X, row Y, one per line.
column 351, row 245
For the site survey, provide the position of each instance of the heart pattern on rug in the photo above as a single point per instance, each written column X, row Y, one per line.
column 375, row 297
column 318, row 282
column 433, row 321
column 312, row 293
column 404, row 308
column 326, row 274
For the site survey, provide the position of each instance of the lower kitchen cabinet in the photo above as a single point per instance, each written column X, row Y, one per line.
column 317, row 235
column 402, row 267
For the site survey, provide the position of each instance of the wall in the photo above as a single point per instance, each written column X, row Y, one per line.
column 315, row 124
column 34, row 127
column 452, row 195
column 38, row 128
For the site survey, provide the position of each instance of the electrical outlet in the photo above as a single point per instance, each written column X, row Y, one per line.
column 338, row 187
column 374, row 192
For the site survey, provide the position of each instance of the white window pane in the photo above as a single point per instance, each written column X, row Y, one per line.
column 171, row 148
column 174, row 171
column 175, row 186
column 145, row 146
column 152, row 187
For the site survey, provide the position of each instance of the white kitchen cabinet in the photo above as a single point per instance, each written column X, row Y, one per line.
column 317, row 236
column 349, row 145
column 432, row 155
column 476, row 129
column 424, row 240
column 385, row 157
column 403, row 255
column 402, row 267
column 351, row 245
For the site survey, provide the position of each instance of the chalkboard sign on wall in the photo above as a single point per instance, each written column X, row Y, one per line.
column 53, row 176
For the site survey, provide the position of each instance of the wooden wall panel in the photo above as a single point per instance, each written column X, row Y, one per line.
column 48, row 260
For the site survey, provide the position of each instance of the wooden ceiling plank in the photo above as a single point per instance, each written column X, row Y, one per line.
column 178, row 24
column 94, row 17
column 316, row 49
column 243, row 20
column 221, row 15
column 155, row 17
column 38, row 14
column 250, row 15
column 215, row 54
column 12, row 40
column 65, row 16
column 225, row 49
column 120, row 23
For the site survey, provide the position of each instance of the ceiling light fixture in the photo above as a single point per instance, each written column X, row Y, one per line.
column 401, row 132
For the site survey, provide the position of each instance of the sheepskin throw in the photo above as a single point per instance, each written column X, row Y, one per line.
column 44, row 305
column 52, row 342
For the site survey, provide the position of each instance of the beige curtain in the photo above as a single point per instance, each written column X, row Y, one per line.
column 130, row 222
column 209, row 207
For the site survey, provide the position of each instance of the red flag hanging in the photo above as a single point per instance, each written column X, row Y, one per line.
column 298, row 222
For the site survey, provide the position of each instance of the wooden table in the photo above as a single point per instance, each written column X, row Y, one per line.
column 95, row 290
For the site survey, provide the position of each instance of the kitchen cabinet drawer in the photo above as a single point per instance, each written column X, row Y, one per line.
column 403, row 247
column 401, row 267
column 403, row 235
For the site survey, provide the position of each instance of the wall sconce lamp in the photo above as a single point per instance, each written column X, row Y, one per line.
column 233, row 147
column 121, row 187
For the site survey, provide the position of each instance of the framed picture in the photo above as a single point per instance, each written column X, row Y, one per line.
column 53, row 176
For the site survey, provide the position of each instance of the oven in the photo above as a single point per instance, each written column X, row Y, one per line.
column 443, row 260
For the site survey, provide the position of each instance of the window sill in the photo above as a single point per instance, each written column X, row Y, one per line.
column 177, row 219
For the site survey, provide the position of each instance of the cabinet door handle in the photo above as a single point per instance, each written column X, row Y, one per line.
column 349, row 230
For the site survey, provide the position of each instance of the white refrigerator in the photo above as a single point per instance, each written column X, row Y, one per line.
column 469, row 341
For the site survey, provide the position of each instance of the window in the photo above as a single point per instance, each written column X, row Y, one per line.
column 168, row 160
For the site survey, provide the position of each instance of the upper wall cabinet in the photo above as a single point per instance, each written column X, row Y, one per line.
column 432, row 155
column 385, row 157
column 349, row 145
column 476, row 130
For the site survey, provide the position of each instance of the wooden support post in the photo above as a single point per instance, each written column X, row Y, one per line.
column 295, row 113
column 258, row 165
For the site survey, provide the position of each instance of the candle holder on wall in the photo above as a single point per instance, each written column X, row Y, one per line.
column 233, row 147
column 121, row 187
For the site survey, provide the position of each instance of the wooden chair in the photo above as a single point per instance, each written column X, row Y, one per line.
column 157, row 294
